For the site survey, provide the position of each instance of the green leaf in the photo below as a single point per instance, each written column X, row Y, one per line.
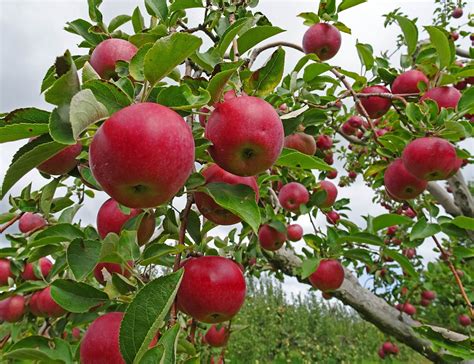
column 194, row 226
column 82, row 27
column 185, row 4
column 108, row 94
column 346, row 4
column 182, row 98
column 94, row 12
column 169, row 342
column 263, row 81
column 76, row 297
column 23, row 123
column 145, row 314
column 56, row 234
column 167, row 53
column 39, row 349
column 154, row 252
column 440, row 41
column 136, row 63
column 315, row 69
column 422, row 230
column 364, row 238
column 157, row 8
column 119, row 249
column 463, row 222
column 47, row 194
column 66, row 86
column 82, row 257
column 60, row 126
column 118, row 21
column 217, row 84
column 309, row 18
column 89, row 73
column 366, row 56
column 294, row 159
column 27, row 158
column 84, row 111
column 231, row 33
column 309, row 267
column 238, row 199
column 402, row 260
column 410, row 32
column 137, row 20
column 466, row 103
column 255, row 35
column 382, row 221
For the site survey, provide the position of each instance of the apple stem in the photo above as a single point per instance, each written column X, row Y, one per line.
column 11, row 222
column 192, row 334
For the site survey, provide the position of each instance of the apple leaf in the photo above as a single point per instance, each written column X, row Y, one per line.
column 346, row 4
column 82, row 257
column 463, row 222
column 217, row 84
column 167, row 53
column 76, row 297
column 231, row 33
column 382, row 221
column 41, row 350
column 23, row 123
column 185, row 4
column 238, row 199
column 255, row 35
column 154, row 252
column 84, row 111
column 363, row 238
column 145, row 314
column 315, row 69
column 108, row 94
column 118, row 21
column 293, row 159
column 423, row 229
column 138, row 22
column 157, row 8
column 466, row 103
column 441, row 43
column 410, row 32
column 264, row 80
column 136, row 63
column 121, row 249
column 402, row 260
column 56, row 234
column 67, row 85
column 47, row 194
column 182, row 98
column 60, row 126
column 309, row 267
column 89, row 73
column 366, row 56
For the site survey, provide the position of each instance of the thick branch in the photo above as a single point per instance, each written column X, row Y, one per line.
column 462, row 195
column 444, row 199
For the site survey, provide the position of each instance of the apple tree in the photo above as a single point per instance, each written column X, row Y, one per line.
column 184, row 133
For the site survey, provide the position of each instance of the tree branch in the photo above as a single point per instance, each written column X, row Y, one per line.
column 10, row 223
column 462, row 194
column 444, row 199
column 463, row 53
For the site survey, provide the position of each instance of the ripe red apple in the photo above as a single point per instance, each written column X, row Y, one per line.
column 110, row 219
column 381, row 353
column 387, row 347
column 5, row 271
column 329, row 159
column 461, row 85
column 31, row 222
column 108, row 52
column 101, row 341
column 323, row 39
column 302, row 142
column 206, row 205
column 47, row 306
column 332, row 217
column 62, row 162
column 75, row 334
column 408, row 308
column 111, row 268
column 294, row 232
column 328, row 276
column 410, row 253
column 428, row 295
column 212, row 289
column 292, row 196
column 324, row 142
column 424, row 302
column 457, row 13
column 228, row 95
column 454, row 36
column 352, row 174
column 326, row 295
column 246, row 134
column 400, row 183
column 142, row 155
column 464, row 320
column 347, row 129
column 270, row 238
column 331, row 193
column 409, row 213
column 445, row 96
column 407, row 82
column 332, row 174
column 355, row 121
column 217, row 337
column 12, row 308
column 430, row 158
column 391, row 230
column 45, row 266
column 33, row 304
column 375, row 106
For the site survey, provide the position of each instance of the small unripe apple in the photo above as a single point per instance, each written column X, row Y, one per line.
column 331, row 193
column 101, row 341
column 62, row 162
column 324, row 142
column 375, row 106
column 108, row 53
column 142, row 155
column 12, row 308
column 428, row 295
column 391, row 230
column 302, row 142
column 31, row 222
column 400, row 183
column 246, row 135
column 445, row 96
column 212, row 289
column 5, row 271
column 292, row 196
column 407, row 82
column 217, row 337
column 294, row 232
column 328, row 276
column 464, row 320
column 332, row 217
column 45, row 266
column 457, row 13
column 208, row 207
column 110, row 219
column 322, row 39
column 47, row 306
column 355, row 121
column 270, row 238
column 430, row 158
column 347, row 129
column 111, row 268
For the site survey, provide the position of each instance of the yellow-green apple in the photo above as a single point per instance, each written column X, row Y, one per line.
column 323, row 39
column 400, row 183
column 108, row 52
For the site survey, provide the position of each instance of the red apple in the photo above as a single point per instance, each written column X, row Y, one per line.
column 12, row 308
column 270, row 238
column 111, row 268
column 445, row 96
column 323, row 39
column 246, row 135
column 457, row 13
column 294, row 232
column 430, row 158
column 391, row 230
column 408, row 308
column 407, row 82
column 400, row 183
column 203, row 118
column 101, row 341
column 381, row 353
column 331, row 193
column 47, row 306
column 45, row 266
column 410, row 253
column 108, row 52
column 464, row 320
column 461, row 85
column 355, row 121
column 424, row 302
column 454, row 36
column 5, row 271
column 326, row 295
column 217, row 337
column 428, row 295
column 328, row 276
column 332, row 174
column 33, row 304
column 324, row 142
column 387, row 347
column 206, row 205
column 352, row 174
column 375, row 106
column 31, row 222
column 302, row 142
column 292, row 196
column 62, row 162
column 347, row 129
column 332, row 217
column 110, row 219
column 142, row 155
column 212, row 289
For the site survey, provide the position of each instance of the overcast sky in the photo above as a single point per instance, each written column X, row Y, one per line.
column 32, row 35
